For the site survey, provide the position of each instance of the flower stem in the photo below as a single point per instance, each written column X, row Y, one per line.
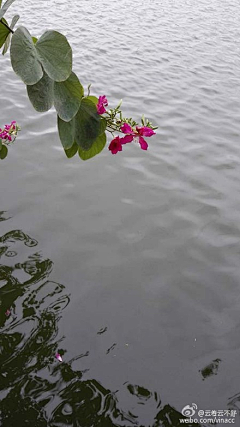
column 5, row 25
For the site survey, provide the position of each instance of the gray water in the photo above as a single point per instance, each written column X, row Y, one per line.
column 144, row 244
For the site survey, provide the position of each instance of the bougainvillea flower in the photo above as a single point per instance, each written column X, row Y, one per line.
column 126, row 139
column 102, row 103
column 7, row 131
column 7, row 313
column 143, row 143
column 145, row 131
column 138, row 133
column 126, row 128
column 4, row 134
column 115, row 145
column 58, row 357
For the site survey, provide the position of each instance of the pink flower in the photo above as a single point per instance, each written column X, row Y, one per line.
column 126, row 139
column 7, row 131
column 143, row 143
column 145, row 131
column 58, row 357
column 115, row 145
column 102, row 102
column 126, row 128
column 139, row 133
column 7, row 313
column 4, row 134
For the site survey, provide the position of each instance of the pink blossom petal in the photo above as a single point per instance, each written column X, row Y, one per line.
column 58, row 357
column 143, row 143
column 101, row 109
column 126, row 139
column 145, row 131
column 115, row 145
column 102, row 102
column 7, row 313
column 126, row 128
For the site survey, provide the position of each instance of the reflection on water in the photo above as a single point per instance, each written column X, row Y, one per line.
column 211, row 369
column 148, row 246
column 35, row 389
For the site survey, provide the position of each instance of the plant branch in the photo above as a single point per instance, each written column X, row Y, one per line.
column 5, row 25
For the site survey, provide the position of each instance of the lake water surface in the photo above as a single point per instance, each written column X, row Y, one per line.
column 129, row 265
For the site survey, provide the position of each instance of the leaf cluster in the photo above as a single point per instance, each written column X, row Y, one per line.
column 45, row 66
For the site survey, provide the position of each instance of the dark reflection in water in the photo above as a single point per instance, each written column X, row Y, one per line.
column 211, row 369
column 35, row 389
column 3, row 216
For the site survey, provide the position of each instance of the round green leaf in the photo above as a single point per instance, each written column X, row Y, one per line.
column 41, row 94
column 92, row 98
column 55, row 54
column 71, row 151
column 66, row 132
column 4, row 32
column 88, row 124
column 83, row 129
column 3, row 152
column 24, row 57
column 67, row 97
column 95, row 149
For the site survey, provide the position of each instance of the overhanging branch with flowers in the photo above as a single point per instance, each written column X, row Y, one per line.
column 45, row 67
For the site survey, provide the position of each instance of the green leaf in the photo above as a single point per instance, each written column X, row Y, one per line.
column 8, row 39
column 67, row 97
column 34, row 39
column 66, row 132
column 92, row 98
column 55, row 54
column 83, row 129
column 5, row 7
column 4, row 32
column 95, row 149
column 41, row 94
column 7, row 43
column 3, row 152
column 71, row 151
column 88, row 124
column 0, row 144
column 24, row 57
column 14, row 21
column 52, row 51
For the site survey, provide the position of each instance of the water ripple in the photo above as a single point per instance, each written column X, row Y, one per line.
column 147, row 242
